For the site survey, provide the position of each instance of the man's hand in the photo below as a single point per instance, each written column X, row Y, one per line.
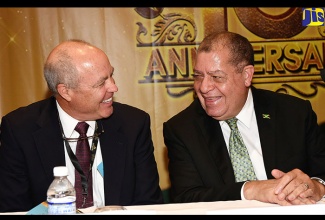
column 292, row 188
column 297, row 187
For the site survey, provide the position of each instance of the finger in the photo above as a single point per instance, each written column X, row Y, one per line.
column 302, row 201
column 283, row 203
column 286, row 182
column 297, row 191
column 308, row 193
column 306, row 186
column 277, row 173
column 304, row 193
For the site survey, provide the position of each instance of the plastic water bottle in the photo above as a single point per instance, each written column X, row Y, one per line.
column 61, row 195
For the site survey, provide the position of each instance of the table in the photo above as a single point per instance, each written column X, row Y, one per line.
column 239, row 207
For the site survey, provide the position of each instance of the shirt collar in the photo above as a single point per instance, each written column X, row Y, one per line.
column 247, row 112
column 69, row 123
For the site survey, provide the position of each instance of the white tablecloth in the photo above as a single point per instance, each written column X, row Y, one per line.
column 240, row 207
column 214, row 208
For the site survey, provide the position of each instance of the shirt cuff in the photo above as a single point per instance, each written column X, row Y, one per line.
column 242, row 192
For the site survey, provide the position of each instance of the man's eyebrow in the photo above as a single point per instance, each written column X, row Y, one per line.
column 216, row 72
column 100, row 81
column 210, row 72
column 196, row 71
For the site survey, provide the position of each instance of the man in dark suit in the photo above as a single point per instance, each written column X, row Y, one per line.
column 80, row 77
column 280, row 131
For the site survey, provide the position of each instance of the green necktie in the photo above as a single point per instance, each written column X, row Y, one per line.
column 239, row 156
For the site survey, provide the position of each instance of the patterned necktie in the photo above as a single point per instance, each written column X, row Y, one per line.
column 83, row 156
column 239, row 156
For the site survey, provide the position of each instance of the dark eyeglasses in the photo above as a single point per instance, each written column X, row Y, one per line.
column 96, row 135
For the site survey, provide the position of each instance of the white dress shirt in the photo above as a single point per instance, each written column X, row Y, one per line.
column 68, row 125
column 248, row 129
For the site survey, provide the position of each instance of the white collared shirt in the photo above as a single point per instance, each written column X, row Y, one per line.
column 68, row 125
column 247, row 125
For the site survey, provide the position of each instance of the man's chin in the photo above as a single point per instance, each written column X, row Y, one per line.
column 107, row 112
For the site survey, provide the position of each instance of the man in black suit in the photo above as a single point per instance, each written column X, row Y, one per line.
column 280, row 131
column 80, row 77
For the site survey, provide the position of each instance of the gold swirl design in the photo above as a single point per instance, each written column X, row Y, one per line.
column 173, row 29
column 313, row 85
column 180, row 93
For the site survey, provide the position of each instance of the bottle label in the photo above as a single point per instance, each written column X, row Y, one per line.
column 61, row 208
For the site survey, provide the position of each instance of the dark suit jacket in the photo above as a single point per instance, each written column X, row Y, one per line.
column 199, row 163
column 31, row 145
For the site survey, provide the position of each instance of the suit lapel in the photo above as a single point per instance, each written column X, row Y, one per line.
column 113, row 149
column 48, row 139
column 266, row 118
column 215, row 146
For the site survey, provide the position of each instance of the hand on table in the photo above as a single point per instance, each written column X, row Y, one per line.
column 291, row 188
column 297, row 187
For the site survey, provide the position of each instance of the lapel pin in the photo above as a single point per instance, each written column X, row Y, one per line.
column 267, row 116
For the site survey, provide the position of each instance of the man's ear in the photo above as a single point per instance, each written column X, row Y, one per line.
column 63, row 91
column 248, row 74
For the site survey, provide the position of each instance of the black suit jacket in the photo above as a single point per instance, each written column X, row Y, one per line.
column 31, row 145
column 199, row 164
